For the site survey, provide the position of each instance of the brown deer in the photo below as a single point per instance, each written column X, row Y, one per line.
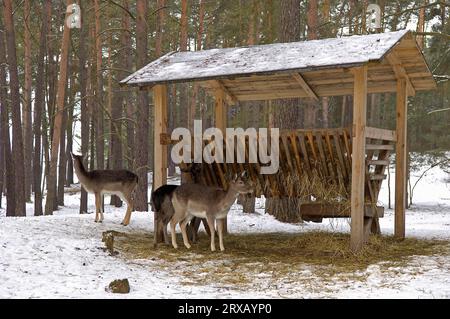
column 161, row 201
column 111, row 182
column 195, row 200
column 161, row 204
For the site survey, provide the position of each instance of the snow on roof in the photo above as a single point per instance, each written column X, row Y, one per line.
column 270, row 58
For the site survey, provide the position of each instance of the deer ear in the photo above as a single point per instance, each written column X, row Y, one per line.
column 244, row 174
column 235, row 178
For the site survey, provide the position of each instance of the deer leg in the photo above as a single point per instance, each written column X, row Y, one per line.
column 97, row 206
column 220, row 223
column 102, row 206
column 173, row 223
column 126, row 219
column 212, row 228
column 183, row 225
column 166, row 236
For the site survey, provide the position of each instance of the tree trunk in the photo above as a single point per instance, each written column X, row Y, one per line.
column 38, row 110
column 310, row 104
column 142, row 119
column 69, row 147
column 62, row 82
column 62, row 147
column 17, row 138
column 85, row 118
column 26, row 114
column 421, row 26
column 129, row 103
column 287, row 115
column 98, row 114
column 116, row 112
column 4, row 132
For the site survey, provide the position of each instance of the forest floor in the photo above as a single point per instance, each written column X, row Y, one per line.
column 62, row 256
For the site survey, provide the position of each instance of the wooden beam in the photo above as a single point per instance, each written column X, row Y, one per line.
column 220, row 111
column 336, row 210
column 358, row 157
column 400, row 160
column 309, row 91
column 400, row 72
column 380, row 134
column 221, row 121
column 379, row 147
column 378, row 162
column 160, row 150
column 146, row 87
column 218, row 85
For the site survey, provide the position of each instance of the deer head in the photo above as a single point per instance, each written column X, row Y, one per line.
column 242, row 184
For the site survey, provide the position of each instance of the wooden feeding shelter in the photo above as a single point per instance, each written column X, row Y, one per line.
column 350, row 159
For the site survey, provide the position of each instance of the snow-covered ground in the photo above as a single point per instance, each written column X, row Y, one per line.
column 61, row 256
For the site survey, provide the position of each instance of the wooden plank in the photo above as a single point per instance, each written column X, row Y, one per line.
column 220, row 111
column 400, row 72
column 221, row 121
column 332, row 161
column 293, row 139
column 358, row 158
column 401, row 157
column 160, row 150
column 290, row 168
column 323, row 160
column 305, row 86
column 377, row 177
column 380, row 134
column 219, row 85
column 301, row 139
column 336, row 210
column 376, row 147
column 340, row 155
column 377, row 162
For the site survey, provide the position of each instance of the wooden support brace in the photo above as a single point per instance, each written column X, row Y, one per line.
column 305, row 86
column 218, row 85
column 400, row 72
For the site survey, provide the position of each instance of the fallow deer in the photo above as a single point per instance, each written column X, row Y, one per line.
column 161, row 201
column 194, row 200
column 161, row 204
column 107, row 182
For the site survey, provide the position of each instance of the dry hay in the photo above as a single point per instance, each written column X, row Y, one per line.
column 275, row 257
column 305, row 189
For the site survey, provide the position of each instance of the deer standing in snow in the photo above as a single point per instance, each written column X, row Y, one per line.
column 161, row 202
column 194, row 200
column 106, row 182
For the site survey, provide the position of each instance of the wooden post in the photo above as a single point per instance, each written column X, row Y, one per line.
column 220, row 111
column 160, row 151
column 221, row 122
column 358, row 157
column 400, row 159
